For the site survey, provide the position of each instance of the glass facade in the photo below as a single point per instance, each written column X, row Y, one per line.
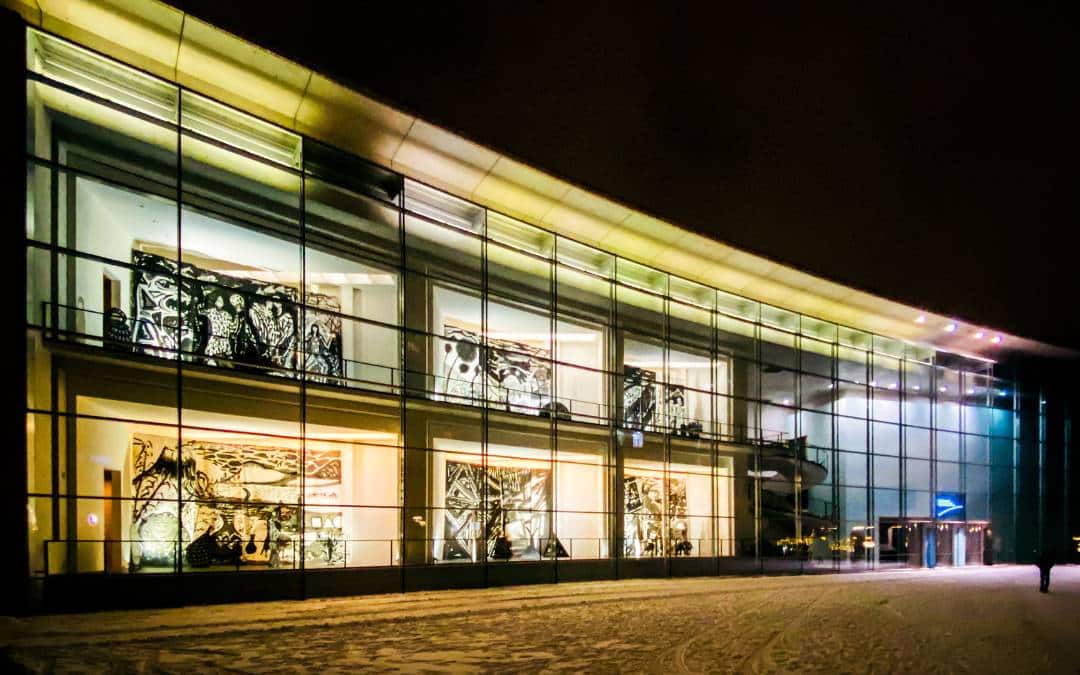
column 249, row 351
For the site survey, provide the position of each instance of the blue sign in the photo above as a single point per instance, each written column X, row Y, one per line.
column 949, row 506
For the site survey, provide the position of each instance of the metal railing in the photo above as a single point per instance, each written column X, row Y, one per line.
column 170, row 556
column 370, row 376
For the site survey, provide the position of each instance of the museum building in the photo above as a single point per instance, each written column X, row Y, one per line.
column 283, row 341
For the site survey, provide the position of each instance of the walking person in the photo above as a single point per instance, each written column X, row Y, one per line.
column 1045, row 563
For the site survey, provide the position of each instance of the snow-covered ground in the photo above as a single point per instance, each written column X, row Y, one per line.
column 990, row 620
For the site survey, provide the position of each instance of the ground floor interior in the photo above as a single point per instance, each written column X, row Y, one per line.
column 151, row 486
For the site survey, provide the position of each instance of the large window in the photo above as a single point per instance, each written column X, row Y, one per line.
column 250, row 350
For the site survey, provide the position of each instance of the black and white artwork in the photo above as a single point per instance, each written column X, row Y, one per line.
column 322, row 338
column 230, row 322
column 237, row 502
column 678, row 419
column 644, row 409
column 326, row 542
column 639, row 398
column 517, row 375
column 502, row 508
column 646, row 530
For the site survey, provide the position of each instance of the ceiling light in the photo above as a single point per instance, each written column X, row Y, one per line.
column 920, row 319
column 980, row 335
column 996, row 339
column 970, row 392
column 950, row 328
column 677, row 365
column 943, row 389
column 541, row 336
column 916, row 387
column 892, row 385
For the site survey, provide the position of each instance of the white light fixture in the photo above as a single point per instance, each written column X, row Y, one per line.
column 920, row 319
column 915, row 387
column 541, row 337
column 980, row 335
column 333, row 278
column 650, row 365
column 950, row 328
column 970, row 392
column 996, row 339
column 892, row 385
column 768, row 473
column 943, row 389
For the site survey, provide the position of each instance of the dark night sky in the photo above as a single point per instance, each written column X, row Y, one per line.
column 922, row 154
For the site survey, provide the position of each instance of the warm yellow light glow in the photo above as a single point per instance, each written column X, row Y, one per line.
column 542, row 337
column 330, row 278
column 173, row 45
column 657, row 365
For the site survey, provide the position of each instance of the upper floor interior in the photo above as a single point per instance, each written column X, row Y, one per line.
column 161, row 218
column 163, row 41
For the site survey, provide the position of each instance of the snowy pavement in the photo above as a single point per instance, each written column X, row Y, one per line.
column 987, row 620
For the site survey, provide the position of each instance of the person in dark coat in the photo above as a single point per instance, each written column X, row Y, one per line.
column 1045, row 563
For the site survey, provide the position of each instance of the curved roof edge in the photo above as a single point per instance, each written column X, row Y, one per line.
column 179, row 47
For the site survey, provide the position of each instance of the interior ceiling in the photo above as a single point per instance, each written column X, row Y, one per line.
column 163, row 40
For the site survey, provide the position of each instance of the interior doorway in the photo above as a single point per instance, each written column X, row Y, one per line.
column 912, row 543
column 114, row 560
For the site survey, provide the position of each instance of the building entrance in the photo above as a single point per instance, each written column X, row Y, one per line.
column 912, row 543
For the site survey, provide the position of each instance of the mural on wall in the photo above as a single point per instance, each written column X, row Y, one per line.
column 518, row 375
column 639, row 398
column 230, row 321
column 510, row 504
column 235, row 503
column 322, row 338
column 643, row 409
column 645, row 531
column 325, row 543
column 678, row 415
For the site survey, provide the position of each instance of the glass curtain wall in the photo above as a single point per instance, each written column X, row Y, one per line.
column 252, row 351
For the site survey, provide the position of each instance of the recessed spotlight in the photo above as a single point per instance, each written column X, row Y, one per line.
column 950, row 328
column 996, row 339
column 980, row 335
column 920, row 319
column 943, row 389
column 915, row 387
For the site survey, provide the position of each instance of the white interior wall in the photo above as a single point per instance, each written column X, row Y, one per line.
column 581, row 499
column 101, row 445
column 110, row 221
column 579, row 494
column 368, row 496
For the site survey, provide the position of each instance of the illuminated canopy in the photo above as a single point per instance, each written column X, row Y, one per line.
column 165, row 41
